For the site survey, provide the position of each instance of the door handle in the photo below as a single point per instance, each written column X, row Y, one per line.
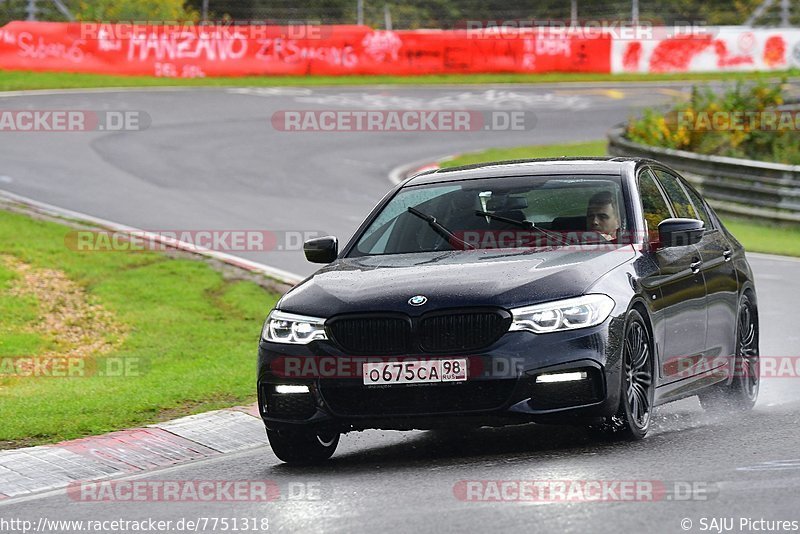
column 727, row 255
column 695, row 266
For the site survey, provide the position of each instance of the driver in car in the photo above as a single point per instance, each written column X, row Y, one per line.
column 602, row 215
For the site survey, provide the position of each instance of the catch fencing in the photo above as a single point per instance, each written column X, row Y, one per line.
column 190, row 51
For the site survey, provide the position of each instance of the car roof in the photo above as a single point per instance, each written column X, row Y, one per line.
column 539, row 166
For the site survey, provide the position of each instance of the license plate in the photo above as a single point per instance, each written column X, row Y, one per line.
column 415, row 372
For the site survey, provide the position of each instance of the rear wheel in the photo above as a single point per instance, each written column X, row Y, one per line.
column 302, row 446
column 742, row 392
column 632, row 420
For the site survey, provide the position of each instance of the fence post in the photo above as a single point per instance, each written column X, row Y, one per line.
column 31, row 10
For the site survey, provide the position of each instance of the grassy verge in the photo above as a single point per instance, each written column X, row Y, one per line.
column 183, row 338
column 764, row 237
column 754, row 235
column 589, row 148
column 23, row 80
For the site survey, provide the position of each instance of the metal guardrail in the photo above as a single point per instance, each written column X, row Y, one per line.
column 757, row 189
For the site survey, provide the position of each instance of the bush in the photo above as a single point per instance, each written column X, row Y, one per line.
column 135, row 10
column 736, row 123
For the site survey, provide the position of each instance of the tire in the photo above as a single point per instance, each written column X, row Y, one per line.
column 302, row 446
column 741, row 394
column 637, row 392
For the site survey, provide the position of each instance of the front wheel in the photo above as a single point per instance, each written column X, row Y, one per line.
column 302, row 446
column 742, row 392
column 632, row 420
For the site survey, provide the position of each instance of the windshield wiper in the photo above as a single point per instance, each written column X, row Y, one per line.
column 441, row 230
column 509, row 220
column 523, row 224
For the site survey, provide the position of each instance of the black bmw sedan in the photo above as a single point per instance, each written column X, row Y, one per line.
column 559, row 291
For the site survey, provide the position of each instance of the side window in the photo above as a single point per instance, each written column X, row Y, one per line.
column 653, row 203
column 699, row 207
column 677, row 196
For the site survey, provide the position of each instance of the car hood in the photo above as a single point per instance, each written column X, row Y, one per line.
column 451, row 279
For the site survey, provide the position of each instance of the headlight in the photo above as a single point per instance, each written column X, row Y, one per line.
column 283, row 327
column 569, row 314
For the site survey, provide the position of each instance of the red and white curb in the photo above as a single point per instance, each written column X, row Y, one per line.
column 48, row 467
column 407, row 170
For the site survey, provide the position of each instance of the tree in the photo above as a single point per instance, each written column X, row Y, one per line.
column 135, row 10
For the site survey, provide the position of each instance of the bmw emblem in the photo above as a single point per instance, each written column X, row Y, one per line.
column 419, row 300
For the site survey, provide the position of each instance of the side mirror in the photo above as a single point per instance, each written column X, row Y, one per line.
column 321, row 249
column 680, row 232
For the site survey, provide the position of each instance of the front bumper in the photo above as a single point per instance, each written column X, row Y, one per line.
column 501, row 388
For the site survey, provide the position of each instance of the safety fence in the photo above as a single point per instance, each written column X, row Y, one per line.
column 237, row 50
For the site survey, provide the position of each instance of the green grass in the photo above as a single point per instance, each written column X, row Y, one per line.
column 762, row 237
column 590, row 148
column 15, row 314
column 754, row 235
column 192, row 335
column 24, row 80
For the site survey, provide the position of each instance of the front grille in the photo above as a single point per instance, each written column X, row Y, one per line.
column 462, row 331
column 442, row 331
column 373, row 335
column 417, row 399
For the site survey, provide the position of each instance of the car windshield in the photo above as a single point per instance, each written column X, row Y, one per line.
column 507, row 212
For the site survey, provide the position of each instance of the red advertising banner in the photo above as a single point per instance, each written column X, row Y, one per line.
column 195, row 51
column 710, row 50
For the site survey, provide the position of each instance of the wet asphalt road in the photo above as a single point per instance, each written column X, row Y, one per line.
column 211, row 160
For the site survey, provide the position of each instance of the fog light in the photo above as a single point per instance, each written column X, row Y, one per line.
column 291, row 389
column 561, row 377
